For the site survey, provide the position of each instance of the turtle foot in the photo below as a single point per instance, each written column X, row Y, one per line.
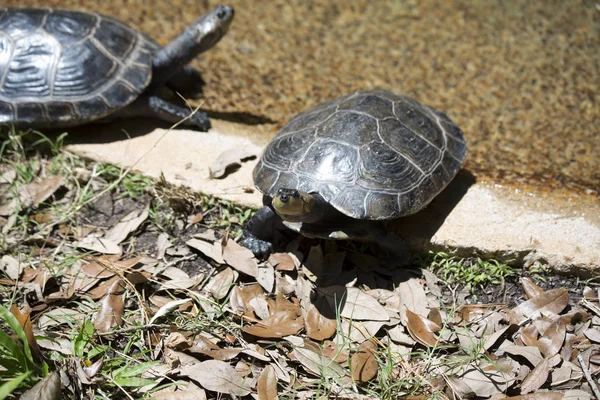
column 261, row 248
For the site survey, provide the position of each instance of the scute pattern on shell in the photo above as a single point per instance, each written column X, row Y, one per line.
column 374, row 154
column 60, row 68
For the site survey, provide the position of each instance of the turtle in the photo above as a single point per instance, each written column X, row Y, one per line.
column 342, row 169
column 63, row 68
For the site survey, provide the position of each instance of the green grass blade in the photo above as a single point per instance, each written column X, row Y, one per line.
column 11, row 385
column 129, row 371
column 13, row 349
column 134, row 382
column 11, row 320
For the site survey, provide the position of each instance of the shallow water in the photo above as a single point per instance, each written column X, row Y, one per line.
column 521, row 78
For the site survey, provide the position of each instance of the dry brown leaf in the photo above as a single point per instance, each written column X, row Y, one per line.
column 230, row 158
column 529, row 335
column 536, row 378
column 96, row 269
column 25, row 322
column 125, row 265
column 331, row 350
column 195, row 218
column 553, row 301
column 239, row 257
column 412, row 297
column 101, row 290
column 41, row 218
column 577, row 394
column 283, row 261
column 593, row 335
column 190, row 392
column 398, row 335
column 286, row 320
column 217, row 376
column 500, row 334
column 175, row 392
column 538, row 396
column 99, row 245
column 204, row 346
column 435, row 316
column 276, row 326
column 484, row 380
column 178, row 279
column 317, row 364
column 46, row 389
column 111, row 308
column 241, row 296
column 318, row 327
column 126, row 225
column 58, row 316
column 220, row 285
column 530, row 288
column 212, row 250
column 266, row 277
column 32, row 194
column 553, row 338
column 355, row 304
column 11, row 267
column 267, row 384
column 93, row 369
column 420, row 330
column 167, row 308
column 530, row 353
column 590, row 294
column 358, row 331
column 7, row 175
column 364, row 363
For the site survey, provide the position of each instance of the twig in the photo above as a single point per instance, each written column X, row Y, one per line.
column 588, row 376
column 591, row 306
column 134, row 328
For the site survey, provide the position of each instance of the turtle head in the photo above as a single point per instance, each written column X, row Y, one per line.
column 207, row 30
column 292, row 202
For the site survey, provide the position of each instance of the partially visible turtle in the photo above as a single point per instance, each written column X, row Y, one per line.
column 341, row 168
column 62, row 68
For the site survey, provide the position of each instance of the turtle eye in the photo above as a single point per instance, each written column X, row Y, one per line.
column 280, row 191
column 295, row 194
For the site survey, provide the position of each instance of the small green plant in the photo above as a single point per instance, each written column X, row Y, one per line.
column 472, row 272
column 131, row 185
column 20, row 369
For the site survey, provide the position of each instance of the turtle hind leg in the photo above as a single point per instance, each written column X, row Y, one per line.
column 188, row 83
column 174, row 113
column 155, row 107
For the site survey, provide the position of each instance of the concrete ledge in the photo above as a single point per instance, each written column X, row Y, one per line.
column 560, row 229
column 497, row 222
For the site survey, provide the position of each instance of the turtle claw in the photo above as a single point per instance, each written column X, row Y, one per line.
column 261, row 248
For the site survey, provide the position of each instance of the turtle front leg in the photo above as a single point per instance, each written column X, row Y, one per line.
column 155, row 107
column 260, row 231
column 188, row 82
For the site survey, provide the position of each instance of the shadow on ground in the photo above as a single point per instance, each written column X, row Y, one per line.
column 422, row 226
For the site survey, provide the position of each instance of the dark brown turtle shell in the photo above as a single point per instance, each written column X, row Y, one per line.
column 373, row 155
column 63, row 68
